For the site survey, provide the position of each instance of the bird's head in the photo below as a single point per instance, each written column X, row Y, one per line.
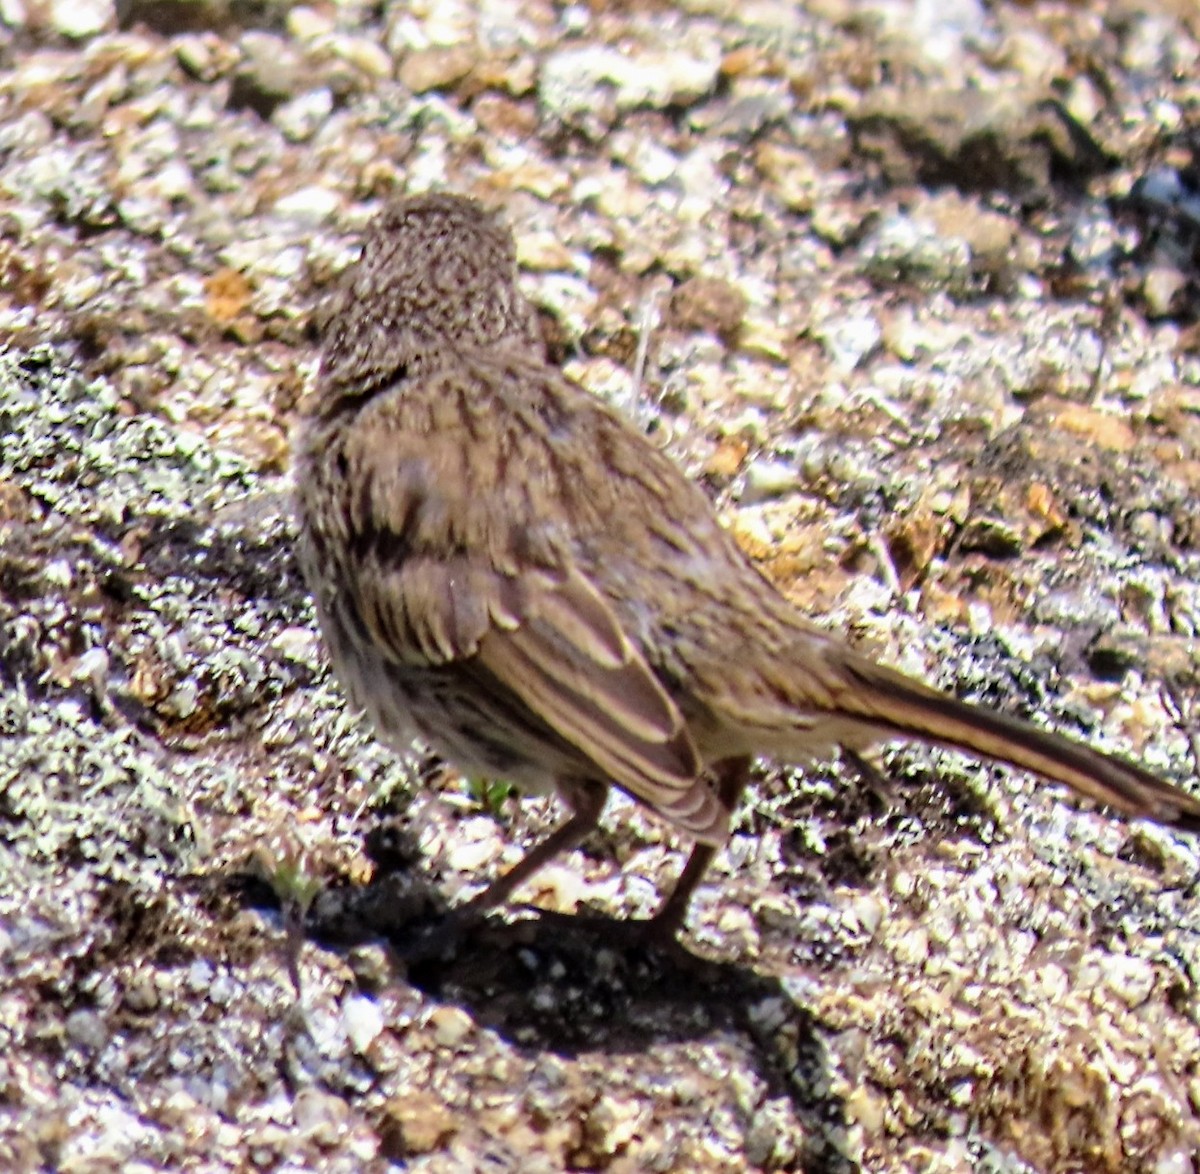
column 437, row 274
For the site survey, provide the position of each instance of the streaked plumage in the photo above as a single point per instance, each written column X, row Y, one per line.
column 504, row 567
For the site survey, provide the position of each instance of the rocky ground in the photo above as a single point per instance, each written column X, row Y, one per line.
column 909, row 286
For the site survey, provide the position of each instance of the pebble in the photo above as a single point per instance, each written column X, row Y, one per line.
column 365, row 56
column 866, row 913
column 271, row 70
column 911, row 249
column 306, row 23
column 439, row 68
column 415, row 1122
column 199, row 976
column 573, row 81
column 1161, row 288
column 850, row 339
column 205, row 56
column 141, row 993
column 301, row 117
column 711, row 304
column 1130, row 979
column 450, row 1026
column 87, row 1029
column 312, row 205
column 767, row 477
column 912, row 949
column 1102, row 429
column 320, row 1115
column 362, row 1020
column 651, row 162
column 78, row 19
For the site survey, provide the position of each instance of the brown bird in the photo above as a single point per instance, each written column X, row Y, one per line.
column 504, row 567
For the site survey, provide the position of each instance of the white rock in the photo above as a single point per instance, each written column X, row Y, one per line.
column 363, row 1021
column 309, row 205
column 78, row 19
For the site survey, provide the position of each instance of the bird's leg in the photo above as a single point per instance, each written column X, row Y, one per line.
column 732, row 776
column 587, row 802
column 881, row 787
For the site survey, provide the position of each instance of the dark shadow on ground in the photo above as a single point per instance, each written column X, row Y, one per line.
column 583, row 985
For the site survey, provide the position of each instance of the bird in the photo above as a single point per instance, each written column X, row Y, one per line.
column 504, row 567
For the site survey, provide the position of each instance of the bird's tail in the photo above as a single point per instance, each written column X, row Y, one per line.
column 888, row 699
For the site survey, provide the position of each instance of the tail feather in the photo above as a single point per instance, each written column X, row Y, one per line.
column 888, row 698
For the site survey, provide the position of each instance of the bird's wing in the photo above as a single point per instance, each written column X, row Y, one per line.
column 449, row 567
column 569, row 661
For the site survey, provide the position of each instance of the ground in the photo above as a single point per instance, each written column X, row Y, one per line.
column 908, row 287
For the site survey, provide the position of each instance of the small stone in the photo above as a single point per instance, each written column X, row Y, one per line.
column 652, row 163
column 793, row 174
column 206, row 56
column 726, row 459
column 909, row 249
column 772, row 1136
column 450, row 1026
column 559, row 889
column 319, row 1115
column 761, row 337
column 734, row 919
column 711, row 304
column 224, row 989
column 1100, row 428
column 227, row 294
column 543, row 252
column 363, row 54
column 611, row 1123
column 363, row 1021
column 867, row 913
column 271, row 72
column 306, row 23
column 199, row 976
column 576, row 81
column 750, row 114
column 415, row 1122
column 141, row 993
column 940, row 606
column 1161, row 288
column 477, row 845
column 1130, row 979
column 78, row 19
column 301, row 645
column 301, row 118
column 1094, row 243
column 867, row 1108
column 87, row 1029
column 498, row 114
column 989, row 235
column 311, row 205
column 766, row 478
column 439, row 68
column 849, row 340
column 912, row 949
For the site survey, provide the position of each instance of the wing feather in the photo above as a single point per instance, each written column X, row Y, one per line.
column 572, row 665
column 432, row 597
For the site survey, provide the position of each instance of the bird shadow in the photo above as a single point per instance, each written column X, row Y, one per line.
column 577, row 986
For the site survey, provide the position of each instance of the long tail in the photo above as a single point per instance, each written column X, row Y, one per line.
column 889, row 699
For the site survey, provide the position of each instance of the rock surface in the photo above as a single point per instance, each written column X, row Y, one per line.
column 911, row 287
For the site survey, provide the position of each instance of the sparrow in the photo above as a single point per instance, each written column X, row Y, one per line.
column 505, row 568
